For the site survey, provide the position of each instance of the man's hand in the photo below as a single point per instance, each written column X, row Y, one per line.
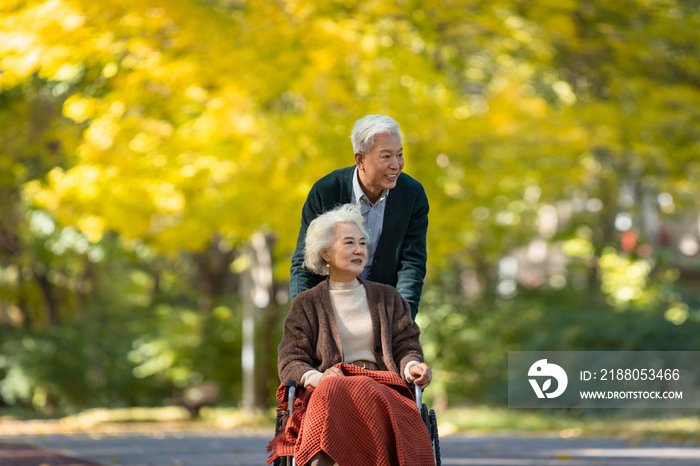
column 331, row 372
column 421, row 373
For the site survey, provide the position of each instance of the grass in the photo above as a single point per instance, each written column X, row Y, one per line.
column 636, row 425
column 659, row 424
column 164, row 419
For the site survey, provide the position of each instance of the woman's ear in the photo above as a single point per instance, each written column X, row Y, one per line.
column 326, row 256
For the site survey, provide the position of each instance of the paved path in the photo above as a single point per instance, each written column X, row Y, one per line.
column 19, row 454
column 225, row 448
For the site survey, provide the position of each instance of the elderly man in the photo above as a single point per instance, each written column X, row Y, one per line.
column 393, row 205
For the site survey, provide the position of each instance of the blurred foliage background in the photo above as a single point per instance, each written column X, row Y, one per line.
column 155, row 156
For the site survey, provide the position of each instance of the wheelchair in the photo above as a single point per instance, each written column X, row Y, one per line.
column 428, row 417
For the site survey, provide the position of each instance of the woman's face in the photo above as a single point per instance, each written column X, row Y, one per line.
column 348, row 254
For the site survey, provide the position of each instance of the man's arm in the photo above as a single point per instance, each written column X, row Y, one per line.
column 414, row 254
column 405, row 336
column 300, row 278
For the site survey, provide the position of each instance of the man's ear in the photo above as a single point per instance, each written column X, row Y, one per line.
column 360, row 160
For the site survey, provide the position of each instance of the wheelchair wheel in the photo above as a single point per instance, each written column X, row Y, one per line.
column 425, row 414
column 434, row 437
column 278, row 423
column 278, row 428
column 430, row 421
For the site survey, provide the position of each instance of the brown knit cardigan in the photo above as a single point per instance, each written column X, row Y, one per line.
column 312, row 341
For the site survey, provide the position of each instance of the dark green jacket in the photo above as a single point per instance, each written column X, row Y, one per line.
column 401, row 253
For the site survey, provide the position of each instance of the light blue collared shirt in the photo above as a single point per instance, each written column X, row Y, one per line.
column 372, row 218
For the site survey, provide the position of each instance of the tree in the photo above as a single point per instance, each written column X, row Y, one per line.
column 186, row 127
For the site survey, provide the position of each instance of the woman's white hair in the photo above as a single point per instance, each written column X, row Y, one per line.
column 321, row 234
column 367, row 128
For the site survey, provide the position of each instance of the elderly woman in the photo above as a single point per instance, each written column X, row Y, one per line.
column 353, row 345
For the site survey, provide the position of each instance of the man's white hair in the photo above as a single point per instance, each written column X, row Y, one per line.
column 321, row 234
column 367, row 128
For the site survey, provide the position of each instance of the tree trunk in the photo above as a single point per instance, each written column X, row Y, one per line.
column 268, row 372
column 213, row 266
column 47, row 290
column 22, row 302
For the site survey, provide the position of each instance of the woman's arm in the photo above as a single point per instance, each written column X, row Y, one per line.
column 295, row 352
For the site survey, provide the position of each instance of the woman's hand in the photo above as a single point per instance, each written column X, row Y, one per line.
column 421, row 373
column 331, row 372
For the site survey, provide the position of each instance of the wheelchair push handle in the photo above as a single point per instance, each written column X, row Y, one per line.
column 290, row 387
column 419, row 396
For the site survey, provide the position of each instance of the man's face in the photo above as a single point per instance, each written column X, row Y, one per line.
column 380, row 169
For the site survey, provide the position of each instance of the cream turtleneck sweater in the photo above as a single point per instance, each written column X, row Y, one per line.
column 349, row 300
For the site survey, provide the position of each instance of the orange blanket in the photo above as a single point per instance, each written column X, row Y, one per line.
column 366, row 418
